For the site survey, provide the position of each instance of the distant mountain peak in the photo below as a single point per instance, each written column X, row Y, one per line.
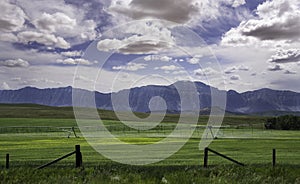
column 258, row 101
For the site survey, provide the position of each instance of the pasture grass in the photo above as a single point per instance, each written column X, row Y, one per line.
column 34, row 135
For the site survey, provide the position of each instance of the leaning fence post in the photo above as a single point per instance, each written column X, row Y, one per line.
column 274, row 157
column 78, row 156
column 205, row 157
column 7, row 161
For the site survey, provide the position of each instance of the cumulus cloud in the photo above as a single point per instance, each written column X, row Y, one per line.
column 253, row 74
column 243, row 68
column 168, row 68
column 8, row 37
column 205, row 72
column 237, row 3
column 43, row 38
column 160, row 9
column 235, row 77
column 195, row 59
column 57, row 22
column 179, row 72
column 40, row 80
column 230, row 70
column 5, row 86
column 130, row 67
column 14, row 63
column 63, row 25
column 144, row 38
column 157, row 58
column 234, row 69
column 290, row 72
column 12, row 17
column 71, row 61
column 280, row 19
column 72, row 54
column 286, row 56
column 179, row 11
column 16, row 79
column 277, row 20
column 275, row 68
column 45, row 24
column 83, row 78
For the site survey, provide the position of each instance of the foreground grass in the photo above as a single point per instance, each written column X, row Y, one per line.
column 168, row 174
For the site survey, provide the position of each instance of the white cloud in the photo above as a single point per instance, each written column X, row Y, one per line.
column 166, row 58
column 8, row 37
column 286, row 56
column 38, row 81
column 206, row 72
column 133, row 45
column 139, row 38
column 7, row 50
column 72, row 54
column 130, row 67
column 290, row 72
column 234, row 69
column 158, row 58
column 14, row 63
column 16, row 79
column 63, row 25
column 195, row 59
column 179, row 11
column 277, row 20
column 230, row 70
column 12, row 17
column 243, row 68
column 5, row 86
column 55, row 23
column 235, row 77
column 83, row 78
column 274, row 68
column 237, row 3
column 71, row 61
column 168, row 68
column 253, row 74
column 179, row 72
column 43, row 38
column 59, row 25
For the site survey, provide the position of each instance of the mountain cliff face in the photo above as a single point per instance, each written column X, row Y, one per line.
column 263, row 100
column 51, row 97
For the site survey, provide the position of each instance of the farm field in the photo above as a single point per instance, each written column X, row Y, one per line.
column 43, row 137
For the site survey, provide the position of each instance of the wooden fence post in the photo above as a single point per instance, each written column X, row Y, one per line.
column 205, row 157
column 78, row 156
column 7, row 161
column 274, row 157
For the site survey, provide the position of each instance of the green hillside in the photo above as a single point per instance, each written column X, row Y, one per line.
column 45, row 112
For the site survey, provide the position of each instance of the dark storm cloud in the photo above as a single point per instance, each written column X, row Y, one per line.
column 176, row 11
column 142, row 47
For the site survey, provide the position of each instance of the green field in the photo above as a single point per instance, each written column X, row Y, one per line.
column 34, row 135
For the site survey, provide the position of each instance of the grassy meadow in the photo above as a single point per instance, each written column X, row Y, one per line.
column 34, row 135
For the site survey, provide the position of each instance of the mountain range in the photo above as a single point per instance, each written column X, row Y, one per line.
column 252, row 102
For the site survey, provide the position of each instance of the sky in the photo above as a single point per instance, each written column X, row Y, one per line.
column 108, row 46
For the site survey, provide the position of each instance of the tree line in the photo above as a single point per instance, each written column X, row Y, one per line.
column 288, row 122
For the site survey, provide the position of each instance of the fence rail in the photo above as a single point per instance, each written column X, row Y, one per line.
column 219, row 154
column 78, row 158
